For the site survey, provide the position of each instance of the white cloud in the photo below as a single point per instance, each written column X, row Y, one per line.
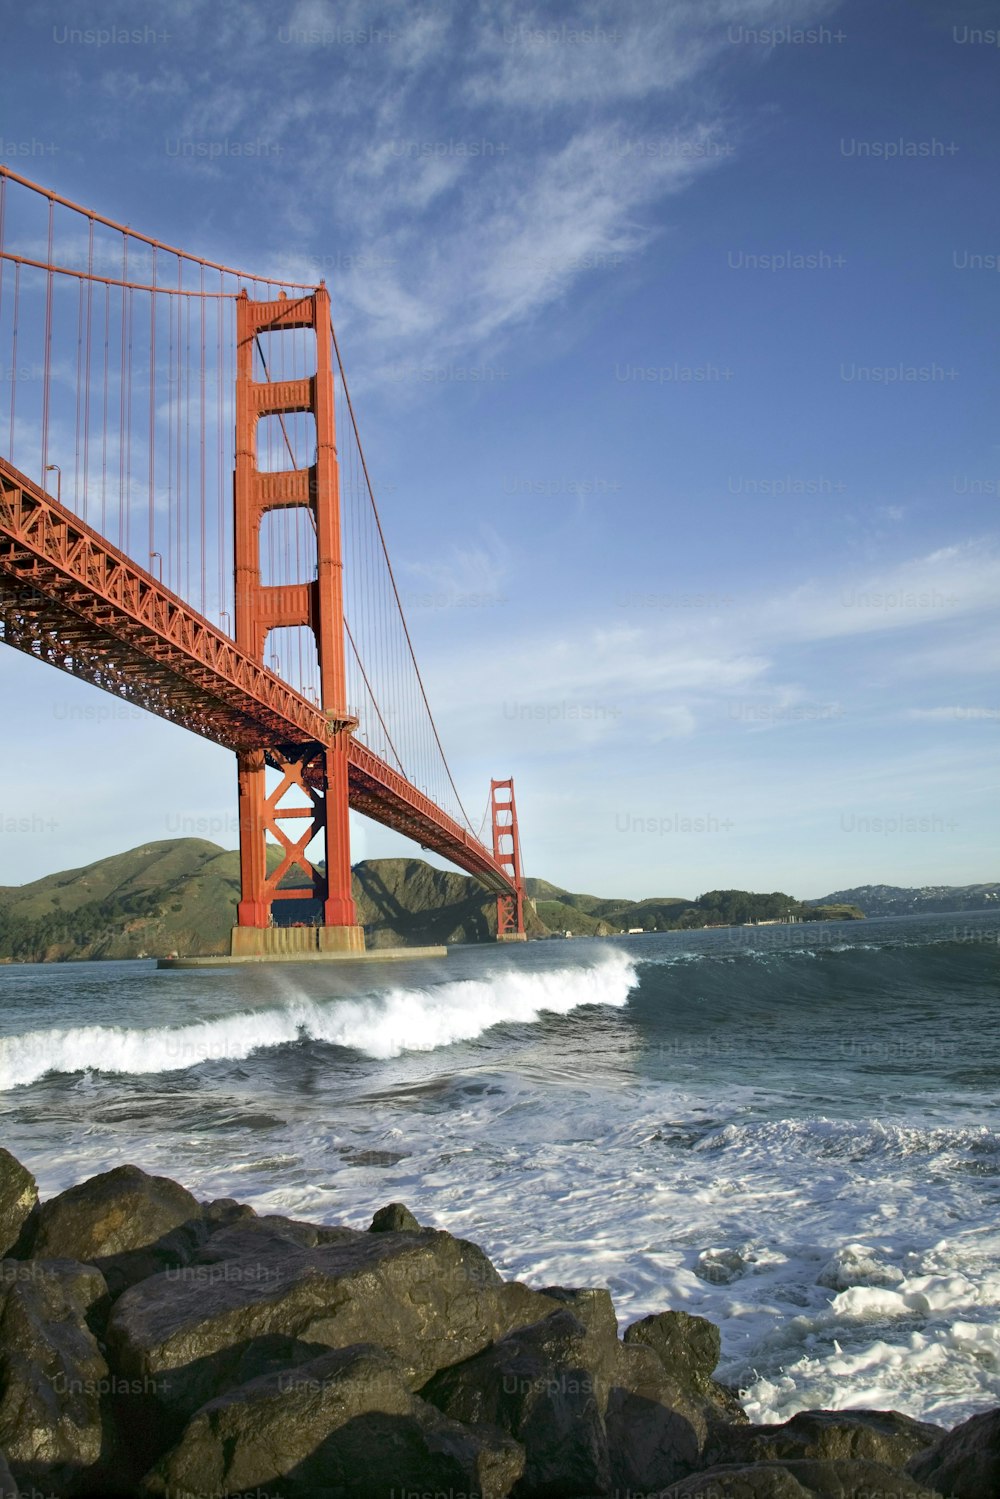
column 949, row 584
column 731, row 671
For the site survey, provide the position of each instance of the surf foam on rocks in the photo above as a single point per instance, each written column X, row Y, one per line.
column 152, row 1345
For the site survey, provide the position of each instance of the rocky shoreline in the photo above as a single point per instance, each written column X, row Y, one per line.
column 155, row 1346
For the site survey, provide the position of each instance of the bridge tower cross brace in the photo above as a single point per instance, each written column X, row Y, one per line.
column 316, row 774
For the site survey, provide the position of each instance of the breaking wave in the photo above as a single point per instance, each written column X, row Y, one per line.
column 379, row 1026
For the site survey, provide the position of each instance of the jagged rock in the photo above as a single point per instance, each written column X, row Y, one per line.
column 393, row 1218
column 588, row 1410
column 547, row 1386
column 8, row 1488
column 126, row 1222
column 875, row 1436
column 965, row 1462
column 590, row 1305
column 52, row 1374
column 271, row 1235
column 801, row 1479
column 761, row 1481
column 223, row 1211
column 18, row 1197
column 154, row 1410
column 430, row 1298
column 688, row 1348
column 657, row 1427
column 344, row 1424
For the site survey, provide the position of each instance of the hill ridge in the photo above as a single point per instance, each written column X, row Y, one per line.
column 932, row 900
column 179, row 895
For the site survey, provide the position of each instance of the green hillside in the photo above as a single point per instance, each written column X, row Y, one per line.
column 559, row 916
column 180, row 895
column 176, row 895
column 925, row 900
column 586, row 915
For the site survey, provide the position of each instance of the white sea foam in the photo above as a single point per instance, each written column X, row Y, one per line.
column 853, row 1140
column 857, row 1265
column 381, row 1026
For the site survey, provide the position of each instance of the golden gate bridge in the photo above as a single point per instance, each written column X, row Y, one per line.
column 187, row 521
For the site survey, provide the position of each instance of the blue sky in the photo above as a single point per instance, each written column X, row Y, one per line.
column 672, row 333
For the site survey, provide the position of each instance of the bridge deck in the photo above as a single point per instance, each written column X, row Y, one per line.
column 71, row 599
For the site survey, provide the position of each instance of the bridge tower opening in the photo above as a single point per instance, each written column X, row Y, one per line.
column 310, row 800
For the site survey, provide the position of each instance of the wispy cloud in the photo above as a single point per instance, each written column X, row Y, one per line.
column 763, row 664
column 420, row 169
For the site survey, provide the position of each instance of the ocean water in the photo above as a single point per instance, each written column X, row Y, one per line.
column 792, row 1131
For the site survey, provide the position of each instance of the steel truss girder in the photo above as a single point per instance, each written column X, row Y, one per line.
column 71, row 599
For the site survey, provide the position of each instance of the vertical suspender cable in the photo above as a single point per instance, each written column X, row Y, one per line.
column 203, row 440
column 3, row 241
column 104, row 417
column 13, row 373
column 128, row 428
column 220, row 448
column 47, row 372
column 148, row 562
column 122, row 397
column 79, row 398
column 187, row 448
column 87, row 360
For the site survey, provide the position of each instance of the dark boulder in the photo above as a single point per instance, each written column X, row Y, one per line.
column 657, row 1427
column 154, row 1408
column 344, row 1424
column 269, row 1236
column 760, row 1481
column 801, row 1479
column 18, row 1197
column 129, row 1224
column 688, row 1348
column 591, row 1412
column 52, row 1375
column 590, row 1305
column 965, row 1462
column 875, row 1436
column 393, row 1218
column 427, row 1297
column 223, row 1211
column 547, row 1386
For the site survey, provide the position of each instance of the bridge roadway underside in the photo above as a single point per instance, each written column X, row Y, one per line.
column 70, row 599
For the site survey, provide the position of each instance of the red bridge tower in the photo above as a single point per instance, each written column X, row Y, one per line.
column 319, row 805
column 507, row 852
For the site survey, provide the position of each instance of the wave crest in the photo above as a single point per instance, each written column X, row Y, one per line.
column 381, row 1026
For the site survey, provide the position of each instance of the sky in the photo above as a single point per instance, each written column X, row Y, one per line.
column 672, row 335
